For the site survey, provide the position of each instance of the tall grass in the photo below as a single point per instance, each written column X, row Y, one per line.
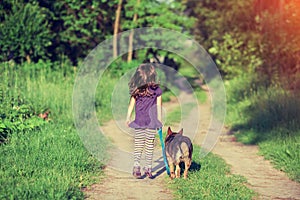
column 47, row 164
column 283, row 151
column 49, row 161
column 269, row 117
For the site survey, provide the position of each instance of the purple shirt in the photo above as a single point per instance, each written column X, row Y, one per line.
column 146, row 111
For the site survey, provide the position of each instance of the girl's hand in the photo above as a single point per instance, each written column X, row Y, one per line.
column 127, row 122
column 130, row 109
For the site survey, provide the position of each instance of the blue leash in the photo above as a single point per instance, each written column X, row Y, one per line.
column 163, row 150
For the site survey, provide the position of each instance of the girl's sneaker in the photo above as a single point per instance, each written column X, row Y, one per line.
column 137, row 172
column 148, row 172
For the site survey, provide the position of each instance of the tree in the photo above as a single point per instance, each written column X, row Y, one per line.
column 59, row 29
column 129, row 57
column 153, row 13
column 116, row 29
column 24, row 33
column 81, row 25
column 279, row 26
column 227, row 29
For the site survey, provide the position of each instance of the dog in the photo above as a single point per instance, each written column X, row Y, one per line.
column 178, row 148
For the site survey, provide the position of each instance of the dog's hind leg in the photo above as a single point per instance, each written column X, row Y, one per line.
column 177, row 170
column 172, row 173
column 171, row 166
column 187, row 163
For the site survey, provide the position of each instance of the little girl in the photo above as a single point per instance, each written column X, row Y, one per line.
column 146, row 98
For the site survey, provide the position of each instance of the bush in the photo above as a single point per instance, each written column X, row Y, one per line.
column 24, row 33
column 268, row 116
column 17, row 114
column 260, row 110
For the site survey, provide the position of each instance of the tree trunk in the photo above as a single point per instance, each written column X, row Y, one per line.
column 28, row 59
column 116, row 29
column 130, row 42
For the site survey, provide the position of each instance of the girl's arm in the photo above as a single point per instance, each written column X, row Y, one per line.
column 159, row 108
column 130, row 109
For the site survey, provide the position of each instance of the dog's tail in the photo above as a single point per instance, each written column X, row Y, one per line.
column 186, row 149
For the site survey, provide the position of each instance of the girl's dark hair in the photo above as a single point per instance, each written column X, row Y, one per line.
column 143, row 79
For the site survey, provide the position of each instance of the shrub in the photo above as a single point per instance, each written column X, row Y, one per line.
column 24, row 33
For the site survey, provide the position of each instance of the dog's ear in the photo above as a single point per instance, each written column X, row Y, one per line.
column 181, row 131
column 169, row 131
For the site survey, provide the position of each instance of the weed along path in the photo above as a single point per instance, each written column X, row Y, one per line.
column 266, row 181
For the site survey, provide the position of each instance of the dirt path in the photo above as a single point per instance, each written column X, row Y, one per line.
column 119, row 183
column 268, row 182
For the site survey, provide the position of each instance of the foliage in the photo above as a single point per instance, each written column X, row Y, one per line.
column 103, row 97
column 47, row 164
column 33, row 163
column 81, row 25
column 18, row 119
column 118, row 68
column 24, row 33
column 283, row 151
column 268, row 117
column 60, row 29
column 156, row 14
column 258, row 110
column 209, row 178
column 216, row 18
column 251, row 37
column 231, row 42
column 234, row 56
column 17, row 114
column 279, row 26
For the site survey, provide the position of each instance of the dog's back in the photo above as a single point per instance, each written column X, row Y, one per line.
column 178, row 149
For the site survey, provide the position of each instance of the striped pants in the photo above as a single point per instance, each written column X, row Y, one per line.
column 144, row 140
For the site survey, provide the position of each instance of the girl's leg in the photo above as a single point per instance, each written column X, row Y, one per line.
column 149, row 147
column 139, row 142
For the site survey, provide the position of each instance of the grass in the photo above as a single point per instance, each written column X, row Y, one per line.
column 181, row 112
column 210, row 178
column 200, row 95
column 192, row 74
column 178, row 113
column 268, row 117
column 48, row 162
column 188, row 70
column 166, row 96
column 284, row 154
